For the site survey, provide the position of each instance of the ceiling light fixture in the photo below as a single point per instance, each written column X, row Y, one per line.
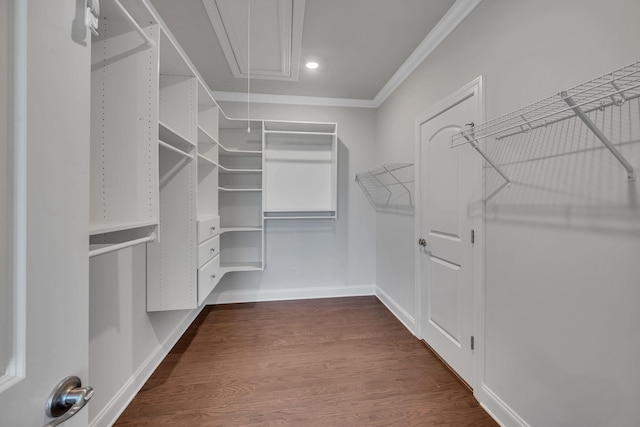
column 312, row 65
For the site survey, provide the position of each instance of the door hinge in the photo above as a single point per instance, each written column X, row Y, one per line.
column 473, row 236
column 472, row 343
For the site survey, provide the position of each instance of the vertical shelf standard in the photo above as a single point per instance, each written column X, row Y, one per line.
column 172, row 261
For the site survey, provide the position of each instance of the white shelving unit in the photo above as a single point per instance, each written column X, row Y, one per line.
column 171, row 262
column 207, row 154
column 124, row 149
column 300, row 169
column 169, row 169
column 240, row 192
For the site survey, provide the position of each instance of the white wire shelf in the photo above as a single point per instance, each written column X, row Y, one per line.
column 389, row 187
column 610, row 90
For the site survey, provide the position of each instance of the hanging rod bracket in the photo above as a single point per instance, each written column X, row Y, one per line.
column 631, row 173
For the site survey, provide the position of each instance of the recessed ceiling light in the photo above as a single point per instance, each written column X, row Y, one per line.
column 311, row 65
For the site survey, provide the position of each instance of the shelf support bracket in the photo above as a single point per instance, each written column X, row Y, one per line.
column 471, row 139
column 399, row 183
column 631, row 173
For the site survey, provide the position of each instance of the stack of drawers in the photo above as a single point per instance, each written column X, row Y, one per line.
column 208, row 256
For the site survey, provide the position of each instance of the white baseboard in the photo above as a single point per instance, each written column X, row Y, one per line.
column 110, row 413
column 407, row 320
column 262, row 295
column 498, row 409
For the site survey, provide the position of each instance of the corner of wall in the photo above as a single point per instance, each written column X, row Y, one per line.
column 119, row 402
column 401, row 314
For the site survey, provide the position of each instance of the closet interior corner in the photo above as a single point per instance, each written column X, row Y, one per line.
column 173, row 175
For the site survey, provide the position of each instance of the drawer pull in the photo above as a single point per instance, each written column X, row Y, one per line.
column 213, row 250
column 213, row 228
column 213, row 276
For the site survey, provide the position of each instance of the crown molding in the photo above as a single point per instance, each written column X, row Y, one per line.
column 454, row 16
column 266, row 98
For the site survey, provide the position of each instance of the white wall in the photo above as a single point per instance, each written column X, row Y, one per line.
column 125, row 342
column 562, row 339
column 332, row 257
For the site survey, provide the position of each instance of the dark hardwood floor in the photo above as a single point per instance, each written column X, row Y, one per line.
column 327, row 362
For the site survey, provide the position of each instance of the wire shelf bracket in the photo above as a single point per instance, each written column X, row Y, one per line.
column 611, row 89
column 389, row 187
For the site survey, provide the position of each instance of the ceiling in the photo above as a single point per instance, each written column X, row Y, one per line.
column 362, row 46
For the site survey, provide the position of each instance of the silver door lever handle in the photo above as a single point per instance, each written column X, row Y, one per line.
column 66, row 400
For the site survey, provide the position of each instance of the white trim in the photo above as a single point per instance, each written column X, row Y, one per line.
column 234, row 43
column 265, row 98
column 454, row 16
column 474, row 88
column 262, row 295
column 396, row 309
column 16, row 369
column 498, row 409
column 119, row 402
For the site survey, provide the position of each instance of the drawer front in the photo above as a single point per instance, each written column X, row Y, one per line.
column 208, row 278
column 208, row 228
column 208, row 250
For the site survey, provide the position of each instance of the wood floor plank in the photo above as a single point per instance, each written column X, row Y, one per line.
column 326, row 362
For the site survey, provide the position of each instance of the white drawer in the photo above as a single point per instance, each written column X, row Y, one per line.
column 208, row 278
column 208, row 250
column 208, row 228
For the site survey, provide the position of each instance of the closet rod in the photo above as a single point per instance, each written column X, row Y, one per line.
column 147, row 41
column 175, row 150
column 117, row 247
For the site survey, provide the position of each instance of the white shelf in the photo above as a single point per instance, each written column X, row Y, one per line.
column 612, row 89
column 289, row 214
column 300, row 127
column 239, row 190
column 205, row 137
column 231, row 267
column 233, row 170
column 239, row 229
column 110, row 227
column 238, row 152
column 290, row 132
column 170, row 136
column 174, row 149
column 204, row 161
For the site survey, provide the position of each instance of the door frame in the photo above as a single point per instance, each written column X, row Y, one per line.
column 17, row 188
column 474, row 88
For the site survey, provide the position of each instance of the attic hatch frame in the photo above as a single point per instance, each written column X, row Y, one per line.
column 389, row 187
column 611, row 89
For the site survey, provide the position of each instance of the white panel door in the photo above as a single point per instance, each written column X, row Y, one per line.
column 49, row 305
column 446, row 262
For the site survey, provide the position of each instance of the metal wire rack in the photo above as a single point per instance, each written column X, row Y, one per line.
column 389, row 187
column 612, row 89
